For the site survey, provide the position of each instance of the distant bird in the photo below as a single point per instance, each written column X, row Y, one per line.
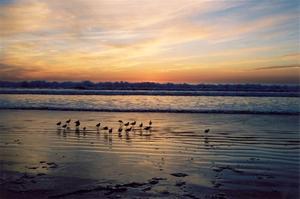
column 120, row 130
column 77, row 123
column 147, row 128
column 141, row 125
column 133, row 123
column 110, row 130
column 98, row 125
column 206, row 130
column 105, row 128
column 65, row 126
column 68, row 121
column 126, row 124
column 150, row 123
column 128, row 129
column 120, row 121
column 58, row 123
column 84, row 128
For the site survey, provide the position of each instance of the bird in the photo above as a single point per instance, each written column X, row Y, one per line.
column 120, row 130
column 120, row 121
column 206, row 130
column 110, row 130
column 133, row 123
column 128, row 129
column 150, row 123
column 58, row 123
column 77, row 123
column 65, row 126
column 98, row 125
column 147, row 128
column 84, row 128
column 68, row 121
column 141, row 125
column 105, row 128
column 126, row 124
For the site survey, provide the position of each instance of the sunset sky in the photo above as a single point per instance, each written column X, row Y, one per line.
column 196, row 41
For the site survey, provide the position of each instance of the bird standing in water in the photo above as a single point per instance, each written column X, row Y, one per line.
column 141, row 125
column 206, row 131
column 77, row 123
column 110, row 130
column 150, row 123
column 105, row 128
column 98, row 125
column 58, row 123
column 65, row 126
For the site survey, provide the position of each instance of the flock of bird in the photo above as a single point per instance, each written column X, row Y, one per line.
column 124, row 126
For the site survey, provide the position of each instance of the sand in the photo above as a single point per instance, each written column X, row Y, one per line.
column 242, row 156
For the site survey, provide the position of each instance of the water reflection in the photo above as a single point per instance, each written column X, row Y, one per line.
column 236, row 152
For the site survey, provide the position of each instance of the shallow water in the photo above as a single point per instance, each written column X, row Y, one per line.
column 248, row 156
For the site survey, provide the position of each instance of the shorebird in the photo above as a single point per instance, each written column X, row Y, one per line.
column 120, row 121
column 128, row 129
column 206, row 130
column 58, row 123
column 133, row 123
column 110, row 130
column 65, row 126
column 150, row 123
column 120, row 132
column 68, row 121
column 141, row 125
column 105, row 128
column 147, row 128
column 98, row 125
column 77, row 123
column 84, row 128
column 126, row 124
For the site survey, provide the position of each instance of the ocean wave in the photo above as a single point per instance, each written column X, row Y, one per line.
column 216, row 111
column 148, row 92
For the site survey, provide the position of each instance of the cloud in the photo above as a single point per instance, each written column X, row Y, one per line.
column 113, row 36
column 278, row 67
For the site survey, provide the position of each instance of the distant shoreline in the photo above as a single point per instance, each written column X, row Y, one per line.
column 149, row 92
column 149, row 86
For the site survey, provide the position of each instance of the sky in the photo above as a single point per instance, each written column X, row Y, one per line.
column 193, row 41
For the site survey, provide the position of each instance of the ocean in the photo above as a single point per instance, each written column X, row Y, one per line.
column 151, row 101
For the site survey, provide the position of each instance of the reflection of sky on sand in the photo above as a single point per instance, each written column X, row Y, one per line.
column 238, row 150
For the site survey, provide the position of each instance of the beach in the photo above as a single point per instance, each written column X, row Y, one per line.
column 242, row 155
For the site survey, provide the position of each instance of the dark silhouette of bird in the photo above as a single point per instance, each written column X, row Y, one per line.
column 110, row 130
column 133, row 123
column 68, row 121
column 65, row 126
column 58, row 123
column 141, row 125
column 105, row 128
column 120, row 121
column 147, row 128
column 206, row 130
column 77, row 123
column 126, row 124
column 120, row 130
column 84, row 128
column 98, row 125
column 128, row 129
column 150, row 123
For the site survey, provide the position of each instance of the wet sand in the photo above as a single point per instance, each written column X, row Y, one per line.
column 242, row 156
